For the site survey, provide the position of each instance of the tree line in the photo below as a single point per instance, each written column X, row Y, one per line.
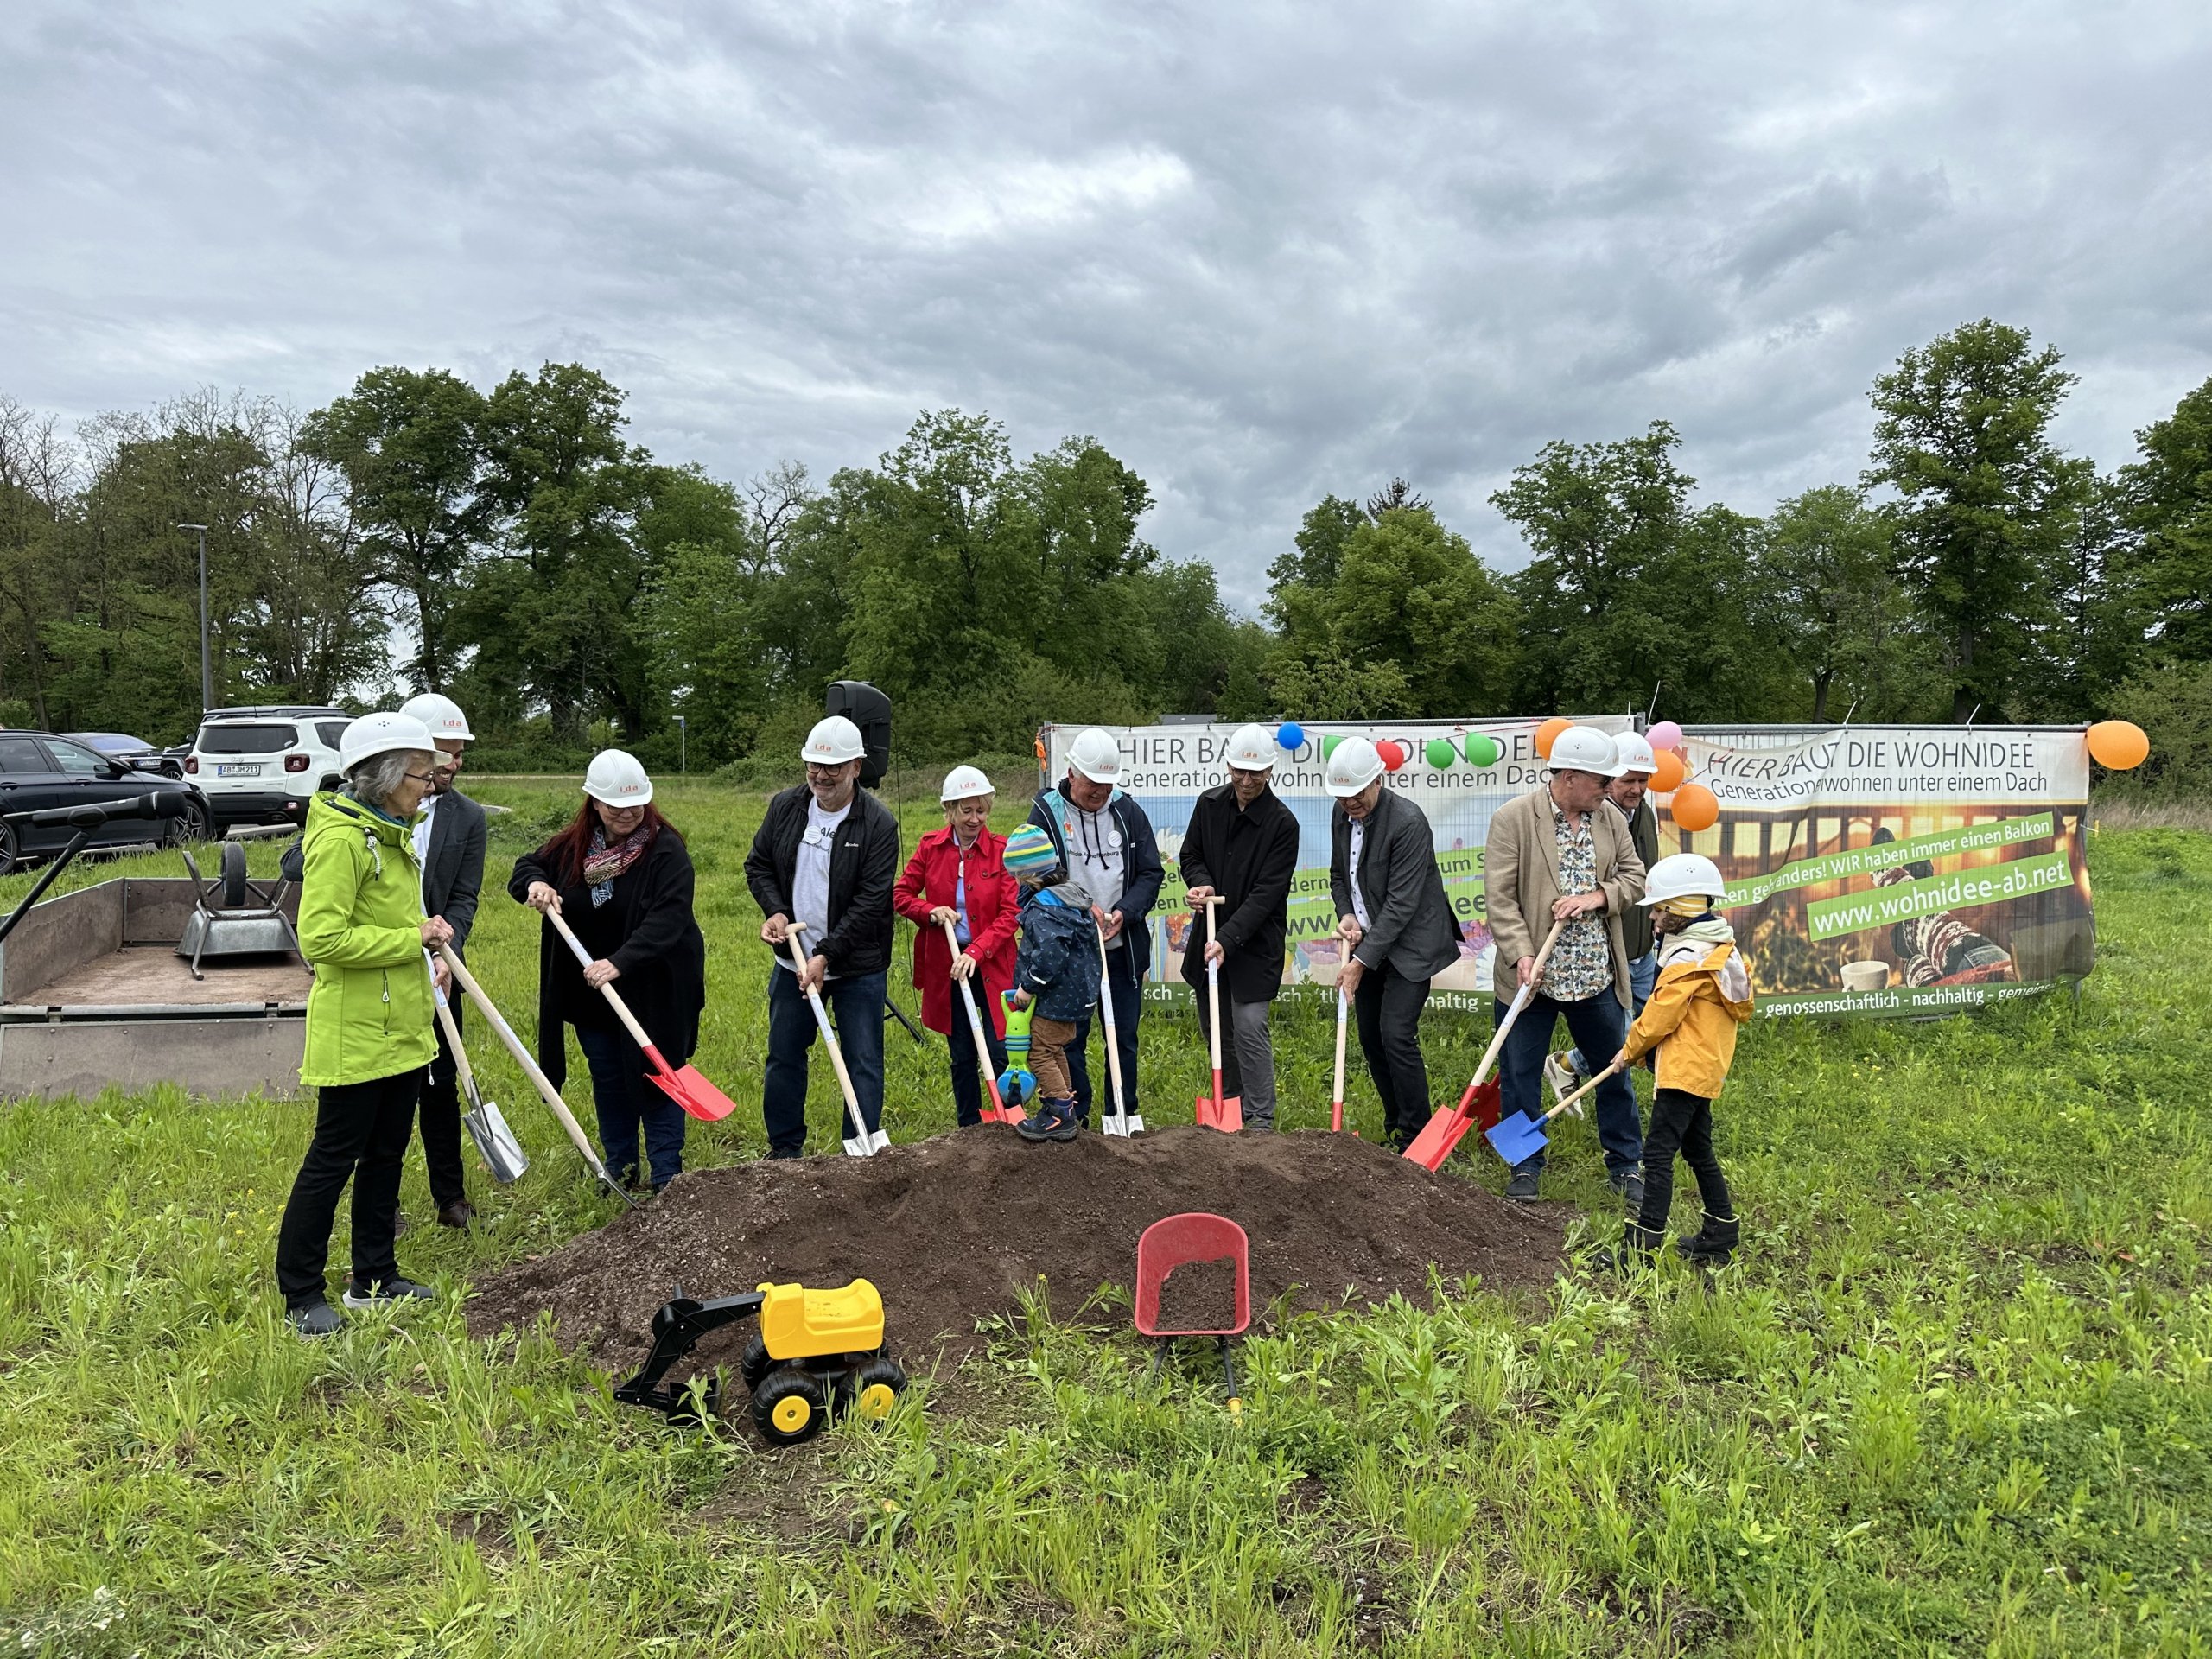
column 515, row 549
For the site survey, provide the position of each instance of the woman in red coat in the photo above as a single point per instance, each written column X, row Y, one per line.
column 957, row 875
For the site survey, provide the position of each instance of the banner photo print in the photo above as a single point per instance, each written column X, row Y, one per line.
column 1872, row 871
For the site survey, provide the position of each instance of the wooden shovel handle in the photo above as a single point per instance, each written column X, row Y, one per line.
column 1520, row 1000
column 1566, row 1101
column 828, row 1032
column 613, row 997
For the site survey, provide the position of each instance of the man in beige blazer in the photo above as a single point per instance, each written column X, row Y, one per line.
column 1552, row 856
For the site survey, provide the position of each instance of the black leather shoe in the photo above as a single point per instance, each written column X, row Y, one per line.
column 459, row 1213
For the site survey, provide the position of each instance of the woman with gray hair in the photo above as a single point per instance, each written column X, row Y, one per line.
column 370, row 1016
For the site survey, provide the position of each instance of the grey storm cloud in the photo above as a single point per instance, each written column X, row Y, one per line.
column 1260, row 252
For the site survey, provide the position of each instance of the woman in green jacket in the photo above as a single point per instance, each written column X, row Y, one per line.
column 370, row 1016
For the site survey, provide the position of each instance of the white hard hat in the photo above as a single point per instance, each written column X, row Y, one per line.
column 1680, row 876
column 381, row 733
column 1096, row 755
column 615, row 777
column 1633, row 753
column 965, row 784
column 1352, row 767
column 1251, row 748
column 1585, row 749
column 442, row 714
column 833, row 742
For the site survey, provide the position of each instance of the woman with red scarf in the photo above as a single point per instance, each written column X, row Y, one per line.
column 620, row 877
column 958, row 874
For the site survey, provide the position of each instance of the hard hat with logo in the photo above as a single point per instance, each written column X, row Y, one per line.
column 1096, row 755
column 1635, row 754
column 1682, row 876
column 1585, row 749
column 1353, row 766
column 442, row 714
column 1251, row 749
column 381, row 733
column 833, row 742
column 965, row 784
column 615, row 777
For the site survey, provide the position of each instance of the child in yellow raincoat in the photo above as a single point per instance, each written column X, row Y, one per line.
column 1704, row 993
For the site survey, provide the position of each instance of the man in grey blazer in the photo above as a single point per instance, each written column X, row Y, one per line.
column 449, row 839
column 1395, row 922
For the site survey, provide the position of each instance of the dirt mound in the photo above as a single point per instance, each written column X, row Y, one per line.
column 951, row 1228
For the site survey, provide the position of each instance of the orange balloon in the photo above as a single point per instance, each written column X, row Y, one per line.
column 1694, row 808
column 1669, row 775
column 2118, row 744
column 1547, row 733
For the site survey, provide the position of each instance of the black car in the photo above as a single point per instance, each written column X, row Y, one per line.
column 134, row 751
column 39, row 772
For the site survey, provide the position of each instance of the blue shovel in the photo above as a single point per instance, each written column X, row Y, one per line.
column 1517, row 1137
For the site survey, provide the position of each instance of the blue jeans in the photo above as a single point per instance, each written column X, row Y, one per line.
column 1129, row 1002
column 967, row 1084
column 856, row 1007
column 1643, row 980
column 628, row 1101
column 1598, row 1025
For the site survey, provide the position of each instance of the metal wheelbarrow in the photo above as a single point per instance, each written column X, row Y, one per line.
column 232, row 916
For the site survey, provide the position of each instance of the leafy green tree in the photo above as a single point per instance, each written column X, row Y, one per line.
column 1413, row 593
column 1987, row 504
column 1300, row 581
column 1834, row 608
column 2166, row 500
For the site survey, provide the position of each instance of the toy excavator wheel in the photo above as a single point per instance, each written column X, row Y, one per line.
column 876, row 1388
column 754, row 1363
column 789, row 1407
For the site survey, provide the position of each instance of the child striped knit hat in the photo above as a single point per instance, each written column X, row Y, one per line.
column 1029, row 851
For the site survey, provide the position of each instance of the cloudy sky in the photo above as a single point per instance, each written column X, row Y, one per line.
column 1260, row 252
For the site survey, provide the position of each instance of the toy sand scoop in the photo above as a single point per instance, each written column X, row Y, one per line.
column 1517, row 1137
column 684, row 1084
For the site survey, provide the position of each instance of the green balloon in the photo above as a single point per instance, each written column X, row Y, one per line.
column 1329, row 745
column 1482, row 749
column 1441, row 753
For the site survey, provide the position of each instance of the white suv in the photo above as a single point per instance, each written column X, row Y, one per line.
column 262, row 766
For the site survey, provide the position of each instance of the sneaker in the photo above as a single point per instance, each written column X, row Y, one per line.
column 1629, row 1183
column 1524, row 1181
column 1713, row 1243
column 1560, row 1072
column 315, row 1318
column 386, row 1293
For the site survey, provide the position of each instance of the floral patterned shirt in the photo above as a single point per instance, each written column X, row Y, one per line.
column 1581, row 964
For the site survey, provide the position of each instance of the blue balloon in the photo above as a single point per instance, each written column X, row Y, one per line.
column 1290, row 735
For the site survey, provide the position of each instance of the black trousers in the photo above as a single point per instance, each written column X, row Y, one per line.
column 439, row 1119
column 1681, row 1123
column 1387, row 1007
column 360, row 1134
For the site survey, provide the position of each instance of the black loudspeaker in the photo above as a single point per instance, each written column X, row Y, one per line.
column 870, row 711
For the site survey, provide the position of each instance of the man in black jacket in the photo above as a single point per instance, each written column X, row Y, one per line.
column 825, row 859
column 1395, row 922
column 449, row 841
column 1106, row 842
column 1240, row 847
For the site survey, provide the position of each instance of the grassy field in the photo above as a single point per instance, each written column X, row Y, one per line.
column 1957, row 1396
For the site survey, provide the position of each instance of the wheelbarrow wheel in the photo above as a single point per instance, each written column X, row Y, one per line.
column 789, row 1407
column 754, row 1363
column 877, row 1384
column 234, row 875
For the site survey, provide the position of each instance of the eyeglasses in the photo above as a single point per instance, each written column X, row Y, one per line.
column 420, row 777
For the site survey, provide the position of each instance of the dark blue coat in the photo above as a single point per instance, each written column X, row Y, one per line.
column 1058, row 964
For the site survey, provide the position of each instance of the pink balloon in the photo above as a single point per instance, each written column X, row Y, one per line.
column 1665, row 735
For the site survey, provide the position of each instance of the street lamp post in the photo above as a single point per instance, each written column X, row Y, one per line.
column 683, row 745
column 207, row 672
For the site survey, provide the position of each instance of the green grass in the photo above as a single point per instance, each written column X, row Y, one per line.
column 1957, row 1397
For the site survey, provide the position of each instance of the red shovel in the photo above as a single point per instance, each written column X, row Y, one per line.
column 1445, row 1129
column 1227, row 1115
column 686, row 1085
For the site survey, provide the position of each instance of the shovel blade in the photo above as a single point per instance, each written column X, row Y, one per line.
column 1515, row 1138
column 866, row 1145
column 688, row 1088
column 1443, row 1132
column 1228, row 1120
column 1490, row 1101
column 503, row 1154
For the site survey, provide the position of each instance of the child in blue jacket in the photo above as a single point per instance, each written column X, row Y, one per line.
column 1055, row 976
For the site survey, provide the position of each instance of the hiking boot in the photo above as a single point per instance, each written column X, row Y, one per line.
column 1713, row 1243
column 1560, row 1072
column 315, row 1318
column 459, row 1213
column 1639, row 1245
column 1524, row 1181
column 386, row 1293
column 1629, row 1183
column 1054, row 1120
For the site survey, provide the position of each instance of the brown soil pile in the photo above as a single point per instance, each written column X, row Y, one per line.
column 1199, row 1296
column 951, row 1228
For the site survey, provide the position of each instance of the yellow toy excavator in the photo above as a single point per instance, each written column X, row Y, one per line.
column 818, row 1352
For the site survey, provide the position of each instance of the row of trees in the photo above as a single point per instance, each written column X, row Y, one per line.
column 514, row 549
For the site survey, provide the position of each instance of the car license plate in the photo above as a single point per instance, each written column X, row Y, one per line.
column 253, row 771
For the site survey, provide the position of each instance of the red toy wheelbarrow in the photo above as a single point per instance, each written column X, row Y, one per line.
column 1180, row 1241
